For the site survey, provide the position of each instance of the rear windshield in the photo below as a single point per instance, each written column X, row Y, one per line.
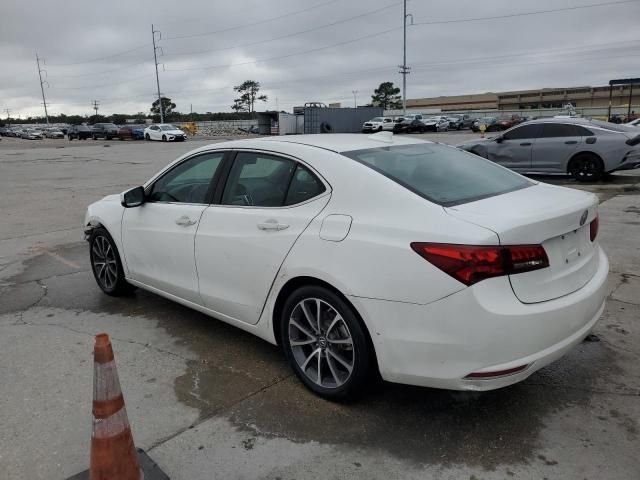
column 441, row 174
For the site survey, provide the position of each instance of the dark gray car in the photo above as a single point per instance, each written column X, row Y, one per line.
column 586, row 149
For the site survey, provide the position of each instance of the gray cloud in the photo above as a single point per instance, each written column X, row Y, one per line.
column 103, row 51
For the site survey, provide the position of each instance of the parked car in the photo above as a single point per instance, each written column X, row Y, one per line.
column 79, row 132
column 104, row 130
column 409, row 123
column 586, row 149
column 378, row 124
column 502, row 256
column 436, row 123
column 460, row 121
column 31, row 134
column 53, row 133
column 165, row 132
column 130, row 132
column 509, row 121
column 491, row 124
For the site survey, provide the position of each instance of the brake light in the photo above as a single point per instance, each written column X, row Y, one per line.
column 470, row 264
column 593, row 228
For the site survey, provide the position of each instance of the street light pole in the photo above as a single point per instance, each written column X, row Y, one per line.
column 155, row 58
column 404, row 70
column 355, row 98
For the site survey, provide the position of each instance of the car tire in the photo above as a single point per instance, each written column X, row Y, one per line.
column 147, row 137
column 164, row 138
column 586, row 167
column 106, row 265
column 333, row 360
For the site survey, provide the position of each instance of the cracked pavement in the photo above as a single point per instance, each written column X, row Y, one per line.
column 209, row 401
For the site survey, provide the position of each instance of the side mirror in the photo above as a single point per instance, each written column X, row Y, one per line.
column 132, row 198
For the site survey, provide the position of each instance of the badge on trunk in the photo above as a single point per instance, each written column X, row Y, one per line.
column 584, row 216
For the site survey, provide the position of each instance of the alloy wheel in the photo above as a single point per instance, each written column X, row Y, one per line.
column 321, row 343
column 104, row 262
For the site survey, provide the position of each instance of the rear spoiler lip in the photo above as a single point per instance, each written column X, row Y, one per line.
column 633, row 141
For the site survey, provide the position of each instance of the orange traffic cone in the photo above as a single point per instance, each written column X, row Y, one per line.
column 113, row 454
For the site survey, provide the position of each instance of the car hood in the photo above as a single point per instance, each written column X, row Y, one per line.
column 472, row 143
column 173, row 132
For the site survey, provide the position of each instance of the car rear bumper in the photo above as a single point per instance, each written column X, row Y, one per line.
column 479, row 329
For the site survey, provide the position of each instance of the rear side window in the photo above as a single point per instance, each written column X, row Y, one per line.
column 441, row 174
column 551, row 130
column 304, row 185
column 584, row 132
column 523, row 132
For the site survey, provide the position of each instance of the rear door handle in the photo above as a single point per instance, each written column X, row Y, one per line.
column 571, row 142
column 185, row 221
column 525, row 144
column 272, row 225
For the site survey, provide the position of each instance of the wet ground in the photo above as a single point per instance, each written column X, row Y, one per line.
column 209, row 401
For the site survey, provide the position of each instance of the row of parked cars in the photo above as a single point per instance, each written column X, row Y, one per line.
column 108, row 131
column 419, row 123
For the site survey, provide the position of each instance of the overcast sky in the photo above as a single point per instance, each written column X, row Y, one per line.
column 301, row 50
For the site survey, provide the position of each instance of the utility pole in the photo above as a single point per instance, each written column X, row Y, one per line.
column 95, row 107
column 155, row 58
column 8, row 110
column 355, row 98
column 42, row 82
column 191, row 112
column 404, row 70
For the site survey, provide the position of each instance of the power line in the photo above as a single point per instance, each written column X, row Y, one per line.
column 110, row 84
column 103, row 71
column 95, row 104
column 289, row 35
column 524, row 14
column 94, row 60
column 260, row 22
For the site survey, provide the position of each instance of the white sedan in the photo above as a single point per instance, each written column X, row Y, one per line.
column 165, row 132
column 355, row 253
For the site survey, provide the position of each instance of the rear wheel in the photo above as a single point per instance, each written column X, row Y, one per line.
column 106, row 265
column 586, row 167
column 325, row 343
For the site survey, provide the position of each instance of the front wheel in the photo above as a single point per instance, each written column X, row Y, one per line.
column 147, row 137
column 325, row 343
column 164, row 138
column 106, row 265
column 586, row 167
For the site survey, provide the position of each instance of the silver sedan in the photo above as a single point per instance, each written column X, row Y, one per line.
column 586, row 149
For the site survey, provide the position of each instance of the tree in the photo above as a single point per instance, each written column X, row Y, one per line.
column 248, row 91
column 167, row 108
column 386, row 96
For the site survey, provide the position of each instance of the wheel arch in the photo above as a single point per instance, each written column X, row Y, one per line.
column 302, row 281
column 585, row 152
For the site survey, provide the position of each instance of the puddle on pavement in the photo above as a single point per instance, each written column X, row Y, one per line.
column 240, row 376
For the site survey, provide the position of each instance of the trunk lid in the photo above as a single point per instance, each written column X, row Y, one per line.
column 557, row 218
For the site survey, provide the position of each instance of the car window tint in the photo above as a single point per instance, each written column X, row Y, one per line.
column 551, row 130
column 443, row 175
column 189, row 182
column 304, row 185
column 523, row 132
column 584, row 132
column 258, row 180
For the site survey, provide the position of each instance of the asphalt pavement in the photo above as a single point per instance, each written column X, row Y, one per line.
column 207, row 400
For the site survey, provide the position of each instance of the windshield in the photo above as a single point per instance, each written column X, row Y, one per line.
column 377, row 119
column 165, row 128
column 486, row 119
column 441, row 174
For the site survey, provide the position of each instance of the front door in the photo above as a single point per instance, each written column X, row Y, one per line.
column 158, row 237
column 557, row 143
column 514, row 148
column 268, row 201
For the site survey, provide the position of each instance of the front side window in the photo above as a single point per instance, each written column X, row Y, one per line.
column 523, row 132
column 189, row 182
column 258, row 180
column 443, row 175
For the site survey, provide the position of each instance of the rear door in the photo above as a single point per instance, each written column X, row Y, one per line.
column 267, row 202
column 514, row 147
column 555, row 146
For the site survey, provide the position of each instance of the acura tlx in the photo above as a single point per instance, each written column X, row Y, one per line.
column 362, row 254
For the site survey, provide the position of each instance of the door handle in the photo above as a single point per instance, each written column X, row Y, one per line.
column 272, row 225
column 525, row 144
column 185, row 221
column 571, row 142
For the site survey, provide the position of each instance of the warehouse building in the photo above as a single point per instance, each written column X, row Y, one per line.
column 579, row 97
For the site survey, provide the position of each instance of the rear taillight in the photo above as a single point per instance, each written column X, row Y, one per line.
column 470, row 264
column 593, row 228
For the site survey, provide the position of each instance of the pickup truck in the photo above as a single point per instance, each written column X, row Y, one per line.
column 104, row 130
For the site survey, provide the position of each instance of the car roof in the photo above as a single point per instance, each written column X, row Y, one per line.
column 344, row 142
